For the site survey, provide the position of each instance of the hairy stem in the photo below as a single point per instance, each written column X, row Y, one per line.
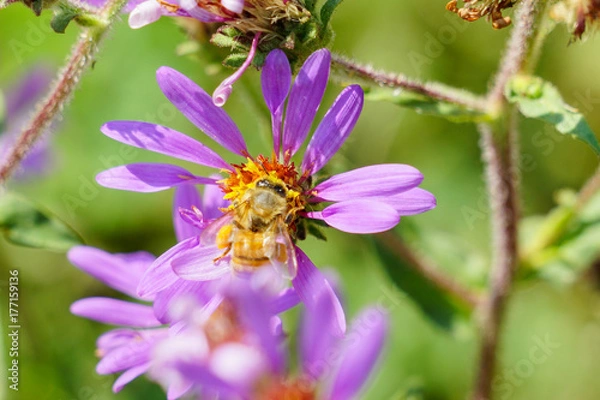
column 347, row 68
column 499, row 144
column 523, row 48
column 82, row 57
column 428, row 270
column 502, row 188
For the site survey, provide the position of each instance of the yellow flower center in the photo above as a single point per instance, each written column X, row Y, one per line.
column 245, row 177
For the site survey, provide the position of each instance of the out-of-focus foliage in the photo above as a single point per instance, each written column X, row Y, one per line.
column 422, row 361
column 25, row 224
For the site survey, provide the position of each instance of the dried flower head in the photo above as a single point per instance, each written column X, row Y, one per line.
column 580, row 16
column 472, row 10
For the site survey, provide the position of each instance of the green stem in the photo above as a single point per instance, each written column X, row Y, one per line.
column 81, row 58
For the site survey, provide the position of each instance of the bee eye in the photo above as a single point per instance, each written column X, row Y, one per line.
column 262, row 184
column 279, row 190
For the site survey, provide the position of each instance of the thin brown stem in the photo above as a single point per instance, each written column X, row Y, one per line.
column 499, row 143
column 428, row 270
column 82, row 56
column 521, row 53
column 432, row 91
column 52, row 105
column 502, row 189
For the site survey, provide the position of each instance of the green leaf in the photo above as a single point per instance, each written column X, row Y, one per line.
column 62, row 19
column 235, row 60
column 223, row 41
column 439, row 307
column 563, row 244
column 541, row 100
column 23, row 223
column 328, row 9
column 426, row 105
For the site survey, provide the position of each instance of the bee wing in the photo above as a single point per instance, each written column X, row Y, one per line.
column 209, row 234
column 281, row 251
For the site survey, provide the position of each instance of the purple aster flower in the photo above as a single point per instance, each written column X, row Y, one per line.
column 272, row 203
column 238, row 354
column 20, row 102
column 224, row 347
column 127, row 349
column 204, row 329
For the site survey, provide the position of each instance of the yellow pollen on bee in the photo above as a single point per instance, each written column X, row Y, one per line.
column 223, row 236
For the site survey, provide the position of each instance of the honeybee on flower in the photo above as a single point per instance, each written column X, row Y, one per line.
column 272, row 202
column 256, row 229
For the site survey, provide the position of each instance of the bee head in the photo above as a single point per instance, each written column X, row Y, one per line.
column 275, row 187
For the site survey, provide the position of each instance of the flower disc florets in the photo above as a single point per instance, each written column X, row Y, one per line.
column 265, row 15
column 265, row 172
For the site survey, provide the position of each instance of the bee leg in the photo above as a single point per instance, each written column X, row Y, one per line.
column 227, row 250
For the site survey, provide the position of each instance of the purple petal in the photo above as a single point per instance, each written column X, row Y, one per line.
column 372, row 181
column 236, row 6
column 317, row 338
column 115, row 338
column 121, row 272
column 149, row 177
column 213, row 201
column 242, row 365
column 180, row 288
column 310, row 284
column 284, row 301
column 362, row 348
column 178, row 388
column 145, row 13
column 333, row 129
column 115, row 312
column 359, row 216
column 255, row 315
column 124, row 337
column 223, row 91
column 132, row 355
column 276, row 79
column 305, row 98
column 198, row 107
column 198, row 264
column 186, row 196
column 202, row 375
column 194, row 9
column 128, row 376
column 414, row 201
column 163, row 140
column 160, row 275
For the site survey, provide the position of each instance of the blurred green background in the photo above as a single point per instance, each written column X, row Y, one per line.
column 57, row 349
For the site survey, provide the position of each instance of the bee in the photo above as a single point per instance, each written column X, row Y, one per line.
column 255, row 231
